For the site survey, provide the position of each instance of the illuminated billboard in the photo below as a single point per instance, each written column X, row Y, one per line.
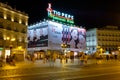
column 60, row 16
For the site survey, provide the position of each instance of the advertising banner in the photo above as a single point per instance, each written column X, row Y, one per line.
column 38, row 36
column 62, row 34
column 53, row 35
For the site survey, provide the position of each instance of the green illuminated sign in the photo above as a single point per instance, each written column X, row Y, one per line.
column 61, row 19
column 1, row 48
column 56, row 15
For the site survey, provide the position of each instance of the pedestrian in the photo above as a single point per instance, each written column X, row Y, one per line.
column 44, row 59
column 33, row 58
column 82, row 59
column 28, row 57
column 107, row 57
column 51, row 59
column 85, row 58
column 115, row 56
column 61, row 58
column 72, row 58
column 66, row 59
column 1, row 62
column 8, row 59
column 12, row 60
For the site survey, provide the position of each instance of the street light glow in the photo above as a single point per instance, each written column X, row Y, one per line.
column 8, row 38
column 13, row 39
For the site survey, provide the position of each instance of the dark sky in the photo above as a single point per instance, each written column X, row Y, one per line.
column 87, row 13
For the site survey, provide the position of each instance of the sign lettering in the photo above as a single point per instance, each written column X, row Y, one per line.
column 57, row 15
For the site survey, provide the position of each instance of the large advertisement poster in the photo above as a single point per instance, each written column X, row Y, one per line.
column 38, row 36
column 54, row 36
column 62, row 34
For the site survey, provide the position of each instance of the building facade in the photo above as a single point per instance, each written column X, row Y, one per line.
column 52, row 36
column 13, row 29
column 105, row 39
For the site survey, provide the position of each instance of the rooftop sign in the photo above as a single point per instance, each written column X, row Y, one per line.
column 60, row 16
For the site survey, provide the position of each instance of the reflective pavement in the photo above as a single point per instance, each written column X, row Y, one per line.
column 62, row 71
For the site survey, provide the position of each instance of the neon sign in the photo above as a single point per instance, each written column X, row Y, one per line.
column 56, row 15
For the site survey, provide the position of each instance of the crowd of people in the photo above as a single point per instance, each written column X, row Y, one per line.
column 10, row 59
column 82, row 57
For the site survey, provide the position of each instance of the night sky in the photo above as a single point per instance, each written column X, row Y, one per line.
column 87, row 13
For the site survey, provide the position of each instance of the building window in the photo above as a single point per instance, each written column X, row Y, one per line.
column 15, row 19
column 99, row 34
column 16, row 30
column 93, row 34
column 1, row 14
column 102, row 39
column 8, row 27
column 23, row 22
column 109, row 34
column 88, row 35
column 23, row 31
column 20, row 21
column 8, row 17
column 1, row 35
column 23, row 39
column 98, row 39
column 1, row 25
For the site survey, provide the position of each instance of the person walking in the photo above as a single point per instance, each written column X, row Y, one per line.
column 33, row 58
column 66, row 59
column 107, row 57
column 85, row 58
column 1, row 62
column 82, row 59
column 61, row 57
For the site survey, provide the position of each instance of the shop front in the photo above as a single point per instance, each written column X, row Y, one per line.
column 19, row 53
